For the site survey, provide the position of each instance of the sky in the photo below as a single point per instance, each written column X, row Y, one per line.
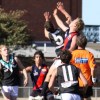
column 91, row 12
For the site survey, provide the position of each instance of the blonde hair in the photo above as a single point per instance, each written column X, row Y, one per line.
column 80, row 24
column 1, row 46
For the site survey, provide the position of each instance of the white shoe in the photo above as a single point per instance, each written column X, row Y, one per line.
column 38, row 98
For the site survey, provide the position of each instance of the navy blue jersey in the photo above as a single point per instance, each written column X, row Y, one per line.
column 68, row 40
column 61, row 39
column 38, row 76
column 57, row 38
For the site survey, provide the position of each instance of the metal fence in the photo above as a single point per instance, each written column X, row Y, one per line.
column 96, row 91
column 25, row 92
column 92, row 32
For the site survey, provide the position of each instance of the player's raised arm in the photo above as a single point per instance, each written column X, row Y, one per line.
column 61, row 8
column 59, row 21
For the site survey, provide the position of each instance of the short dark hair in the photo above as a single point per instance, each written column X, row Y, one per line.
column 81, row 41
column 65, row 56
column 39, row 52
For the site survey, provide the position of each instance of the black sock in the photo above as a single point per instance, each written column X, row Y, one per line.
column 45, row 87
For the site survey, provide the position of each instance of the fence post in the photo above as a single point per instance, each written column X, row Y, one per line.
column 95, row 93
column 44, row 47
column 29, row 91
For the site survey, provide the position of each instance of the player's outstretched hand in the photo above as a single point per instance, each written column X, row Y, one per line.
column 60, row 6
column 47, row 16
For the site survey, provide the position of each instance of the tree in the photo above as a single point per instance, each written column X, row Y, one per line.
column 13, row 30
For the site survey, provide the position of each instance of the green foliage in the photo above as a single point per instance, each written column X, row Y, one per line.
column 13, row 30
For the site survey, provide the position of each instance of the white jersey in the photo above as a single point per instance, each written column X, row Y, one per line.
column 56, row 63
